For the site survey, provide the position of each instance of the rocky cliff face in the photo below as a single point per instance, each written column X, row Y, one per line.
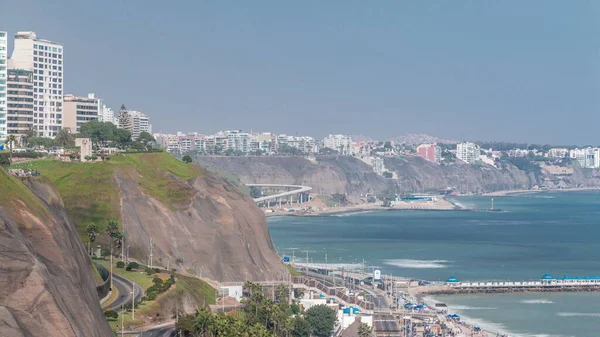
column 416, row 174
column 219, row 234
column 199, row 223
column 47, row 287
column 327, row 175
column 346, row 175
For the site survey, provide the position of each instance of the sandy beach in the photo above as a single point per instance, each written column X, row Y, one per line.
column 312, row 209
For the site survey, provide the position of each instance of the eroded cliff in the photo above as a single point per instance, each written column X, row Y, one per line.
column 351, row 176
column 47, row 287
column 199, row 223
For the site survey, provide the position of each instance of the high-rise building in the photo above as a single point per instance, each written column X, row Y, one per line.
column 107, row 115
column 45, row 59
column 430, row 152
column 468, row 152
column 80, row 110
column 340, row 143
column 238, row 141
column 134, row 121
column 3, row 73
column 20, row 102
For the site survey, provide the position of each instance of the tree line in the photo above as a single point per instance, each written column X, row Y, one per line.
column 262, row 316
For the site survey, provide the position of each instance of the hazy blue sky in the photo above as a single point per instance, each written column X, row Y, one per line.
column 479, row 70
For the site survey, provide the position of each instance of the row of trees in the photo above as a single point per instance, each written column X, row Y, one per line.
column 115, row 236
column 263, row 316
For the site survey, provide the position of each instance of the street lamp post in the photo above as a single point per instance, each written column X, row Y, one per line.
column 132, row 300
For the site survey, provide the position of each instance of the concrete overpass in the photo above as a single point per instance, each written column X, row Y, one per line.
column 293, row 189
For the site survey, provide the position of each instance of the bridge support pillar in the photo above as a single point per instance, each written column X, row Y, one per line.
column 279, row 202
column 269, row 203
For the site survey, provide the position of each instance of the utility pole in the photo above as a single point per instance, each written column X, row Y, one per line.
column 168, row 263
column 122, row 321
column 307, row 261
column 151, row 243
column 111, row 273
column 132, row 300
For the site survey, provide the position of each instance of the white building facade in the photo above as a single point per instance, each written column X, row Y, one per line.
column 3, row 85
column 468, row 152
column 238, row 141
column 107, row 115
column 340, row 143
column 135, row 122
column 45, row 59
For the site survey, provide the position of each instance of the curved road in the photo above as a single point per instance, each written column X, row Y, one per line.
column 297, row 189
column 123, row 287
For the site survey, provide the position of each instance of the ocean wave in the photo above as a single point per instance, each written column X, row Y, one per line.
column 578, row 314
column 484, row 324
column 418, row 264
column 501, row 328
column 538, row 301
column 466, row 307
column 341, row 215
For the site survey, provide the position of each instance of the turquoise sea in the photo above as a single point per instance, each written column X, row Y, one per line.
column 537, row 233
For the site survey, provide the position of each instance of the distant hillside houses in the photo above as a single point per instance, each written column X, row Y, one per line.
column 239, row 143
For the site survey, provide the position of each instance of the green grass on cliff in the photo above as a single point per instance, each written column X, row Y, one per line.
column 13, row 194
column 91, row 193
column 201, row 291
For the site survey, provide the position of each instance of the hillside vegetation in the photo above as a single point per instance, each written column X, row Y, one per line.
column 91, row 192
column 47, row 283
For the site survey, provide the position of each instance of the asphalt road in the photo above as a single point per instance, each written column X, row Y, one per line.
column 123, row 286
column 159, row 332
column 379, row 300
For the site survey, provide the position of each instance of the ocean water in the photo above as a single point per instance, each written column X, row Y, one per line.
column 538, row 233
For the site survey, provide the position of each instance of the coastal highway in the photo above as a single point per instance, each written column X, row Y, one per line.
column 161, row 330
column 379, row 300
column 296, row 189
column 123, row 287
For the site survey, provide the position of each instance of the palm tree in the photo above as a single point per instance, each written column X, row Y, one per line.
column 11, row 140
column 118, row 239
column 92, row 232
column 203, row 321
column 64, row 138
column 28, row 135
column 111, row 229
column 364, row 330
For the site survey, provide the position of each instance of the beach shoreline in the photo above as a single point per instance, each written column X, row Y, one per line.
column 508, row 193
column 441, row 205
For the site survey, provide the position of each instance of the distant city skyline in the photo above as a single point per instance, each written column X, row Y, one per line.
column 481, row 71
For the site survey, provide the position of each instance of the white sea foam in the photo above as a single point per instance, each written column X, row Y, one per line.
column 578, row 314
column 537, row 301
column 466, row 307
column 352, row 213
column 418, row 264
column 486, row 325
column 501, row 328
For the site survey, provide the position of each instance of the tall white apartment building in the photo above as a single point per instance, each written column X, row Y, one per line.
column 107, row 115
column 45, row 59
column 340, row 143
column 3, row 91
column 238, row 141
column 468, row 152
column 134, row 121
